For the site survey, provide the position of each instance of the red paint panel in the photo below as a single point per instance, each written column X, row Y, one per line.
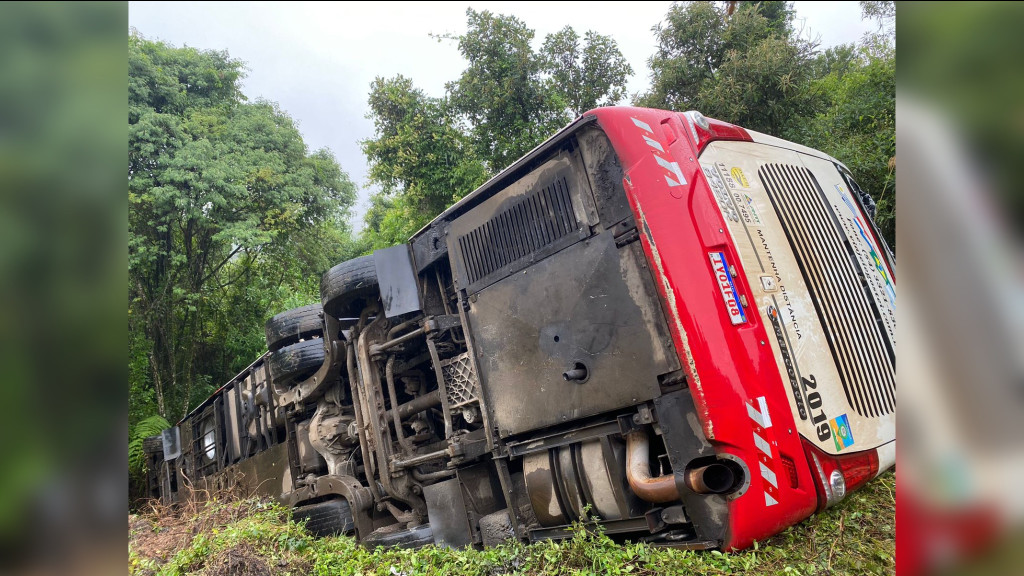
column 727, row 365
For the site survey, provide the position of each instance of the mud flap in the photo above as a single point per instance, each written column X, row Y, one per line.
column 446, row 510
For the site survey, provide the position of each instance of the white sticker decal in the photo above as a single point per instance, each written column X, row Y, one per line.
column 675, row 174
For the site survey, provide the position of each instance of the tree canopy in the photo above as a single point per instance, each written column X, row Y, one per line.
column 421, row 159
column 513, row 97
column 746, row 63
column 224, row 198
column 749, row 68
column 427, row 152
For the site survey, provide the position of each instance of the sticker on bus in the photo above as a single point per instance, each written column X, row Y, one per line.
column 727, row 288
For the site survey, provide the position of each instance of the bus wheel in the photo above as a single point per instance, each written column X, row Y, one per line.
column 296, row 362
column 293, row 325
column 349, row 287
column 328, row 518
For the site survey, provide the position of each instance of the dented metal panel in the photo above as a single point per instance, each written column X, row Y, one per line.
column 396, row 277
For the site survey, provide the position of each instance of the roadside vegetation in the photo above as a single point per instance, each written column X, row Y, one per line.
column 245, row 537
column 232, row 218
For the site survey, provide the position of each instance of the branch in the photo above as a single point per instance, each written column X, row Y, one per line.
column 221, row 265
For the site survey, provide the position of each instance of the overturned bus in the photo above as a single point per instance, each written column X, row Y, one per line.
column 681, row 328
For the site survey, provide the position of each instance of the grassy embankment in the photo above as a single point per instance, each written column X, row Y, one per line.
column 253, row 538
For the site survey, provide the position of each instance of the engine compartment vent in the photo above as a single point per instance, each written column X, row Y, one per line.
column 541, row 222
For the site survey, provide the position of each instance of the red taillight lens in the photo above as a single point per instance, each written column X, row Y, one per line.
column 837, row 475
column 790, row 467
column 704, row 130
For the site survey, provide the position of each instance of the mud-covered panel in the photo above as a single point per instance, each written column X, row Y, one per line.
column 533, row 218
column 396, row 278
column 605, row 174
column 265, row 474
column 591, row 304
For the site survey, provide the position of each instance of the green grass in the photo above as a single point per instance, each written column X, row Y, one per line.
column 257, row 538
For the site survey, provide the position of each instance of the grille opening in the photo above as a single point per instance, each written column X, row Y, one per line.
column 537, row 221
column 848, row 314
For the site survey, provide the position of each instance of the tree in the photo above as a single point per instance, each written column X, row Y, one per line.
column 513, row 97
column 219, row 189
column 749, row 67
column 501, row 92
column 585, row 76
column 857, row 122
column 420, row 158
column 744, row 63
column 883, row 11
column 428, row 152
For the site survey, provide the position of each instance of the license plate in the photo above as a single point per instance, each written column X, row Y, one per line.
column 727, row 288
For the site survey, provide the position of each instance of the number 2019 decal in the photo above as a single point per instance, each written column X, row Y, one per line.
column 814, row 403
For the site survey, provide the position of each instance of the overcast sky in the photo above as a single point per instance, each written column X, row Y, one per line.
column 317, row 59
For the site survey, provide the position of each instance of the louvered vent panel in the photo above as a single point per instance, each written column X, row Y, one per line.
column 867, row 366
column 540, row 220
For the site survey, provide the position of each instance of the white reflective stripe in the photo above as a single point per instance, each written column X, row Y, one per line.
column 672, row 167
column 653, row 143
column 756, row 416
column 768, row 475
column 764, row 411
column 642, row 125
column 762, row 444
column 769, row 501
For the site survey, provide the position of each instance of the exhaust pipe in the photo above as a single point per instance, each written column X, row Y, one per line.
column 715, row 478
column 658, row 489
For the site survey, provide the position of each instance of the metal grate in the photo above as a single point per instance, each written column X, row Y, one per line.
column 850, row 318
column 538, row 220
column 460, row 380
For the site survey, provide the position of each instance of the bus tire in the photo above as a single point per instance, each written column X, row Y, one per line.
column 293, row 325
column 349, row 287
column 296, row 362
column 328, row 518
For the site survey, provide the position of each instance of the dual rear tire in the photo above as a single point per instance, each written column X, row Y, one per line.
column 295, row 337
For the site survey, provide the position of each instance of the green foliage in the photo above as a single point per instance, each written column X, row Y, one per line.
column 585, row 75
column 857, row 123
column 514, row 97
column 391, row 221
column 420, row 158
column 855, row 537
column 427, row 152
column 748, row 68
column 147, row 427
column 884, row 11
column 501, row 92
column 230, row 215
